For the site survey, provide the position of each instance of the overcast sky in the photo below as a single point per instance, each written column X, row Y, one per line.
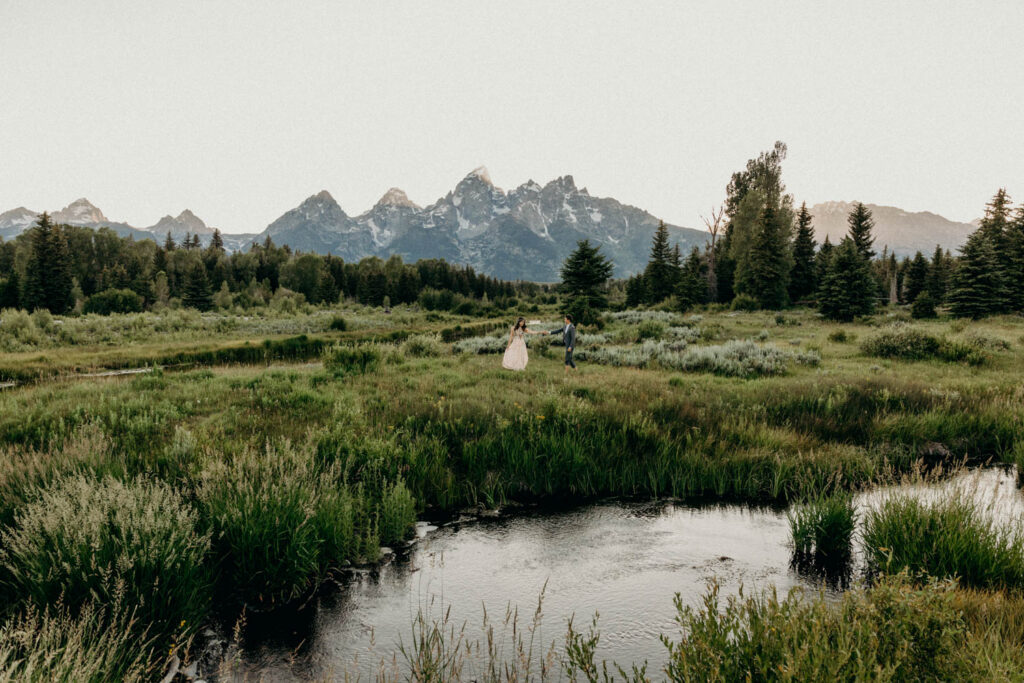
column 240, row 110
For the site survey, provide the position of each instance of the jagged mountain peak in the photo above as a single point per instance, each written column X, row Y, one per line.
column 323, row 196
column 482, row 173
column 79, row 212
column 396, row 197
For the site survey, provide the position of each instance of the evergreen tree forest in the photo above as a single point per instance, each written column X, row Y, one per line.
column 62, row 268
column 768, row 258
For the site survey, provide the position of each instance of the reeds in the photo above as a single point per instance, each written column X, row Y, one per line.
column 950, row 537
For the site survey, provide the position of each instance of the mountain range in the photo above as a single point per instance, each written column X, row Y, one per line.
column 524, row 233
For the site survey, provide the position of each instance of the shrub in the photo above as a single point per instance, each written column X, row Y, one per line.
column 650, row 329
column 945, row 538
column 842, row 336
column 745, row 302
column 907, row 343
column 822, row 528
column 88, row 539
column 634, row 317
column 923, row 307
column 492, row 344
column 344, row 360
column 338, row 324
column 397, row 513
column 423, row 346
column 737, row 359
column 890, row 633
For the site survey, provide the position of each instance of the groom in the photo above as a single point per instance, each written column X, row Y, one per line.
column 568, row 332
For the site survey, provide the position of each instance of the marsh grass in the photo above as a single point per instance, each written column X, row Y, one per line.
column 92, row 539
column 90, row 646
column 951, row 537
column 352, row 360
column 892, row 632
column 822, row 528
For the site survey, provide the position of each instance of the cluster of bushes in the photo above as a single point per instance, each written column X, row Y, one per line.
column 113, row 301
column 343, row 359
column 908, row 343
column 738, row 358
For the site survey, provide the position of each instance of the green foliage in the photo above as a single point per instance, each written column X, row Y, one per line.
column 847, row 288
column 923, row 307
column 861, row 224
column 803, row 277
column 650, row 329
column 47, row 272
column 892, row 632
column 763, row 271
column 280, row 522
column 662, row 273
column 197, row 291
column 693, row 284
column 841, row 336
column 822, row 527
column 946, row 538
column 978, row 287
column 113, row 301
column 423, row 346
column 338, row 324
column 585, row 276
column 908, row 343
column 352, row 360
column 86, row 539
column 916, row 279
column 745, row 302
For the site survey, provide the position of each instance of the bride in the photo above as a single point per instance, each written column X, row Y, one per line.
column 515, row 353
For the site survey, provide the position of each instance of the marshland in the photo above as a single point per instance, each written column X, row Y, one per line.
column 256, row 501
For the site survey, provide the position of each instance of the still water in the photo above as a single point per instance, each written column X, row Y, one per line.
column 622, row 560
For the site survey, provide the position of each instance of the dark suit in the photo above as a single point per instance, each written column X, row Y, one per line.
column 568, row 333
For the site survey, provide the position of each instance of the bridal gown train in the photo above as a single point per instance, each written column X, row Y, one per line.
column 515, row 355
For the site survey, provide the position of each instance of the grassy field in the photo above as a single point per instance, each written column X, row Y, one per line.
column 259, row 454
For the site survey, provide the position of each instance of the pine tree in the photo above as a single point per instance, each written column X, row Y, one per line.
column 660, row 274
column 938, row 277
column 169, row 244
column 977, row 287
column 10, row 291
column 763, row 274
column 692, row 288
column 861, row 224
column 848, row 288
column 916, row 278
column 636, row 291
column 197, row 288
column 48, row 279
column 585, row 276
column 802, row 281
column 822, row 260
column 217, row 241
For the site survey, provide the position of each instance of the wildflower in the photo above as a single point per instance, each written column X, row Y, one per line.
column 540, row 417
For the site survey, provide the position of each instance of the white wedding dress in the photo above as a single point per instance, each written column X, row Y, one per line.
column 515, row 355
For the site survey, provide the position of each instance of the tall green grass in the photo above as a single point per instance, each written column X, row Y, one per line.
column 950, row 537
column 87, row 539
column 822, row 528
column 893, row 632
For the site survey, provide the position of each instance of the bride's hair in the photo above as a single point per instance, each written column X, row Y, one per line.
column 520, row 323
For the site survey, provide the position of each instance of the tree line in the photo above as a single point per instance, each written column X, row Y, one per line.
column 64, row 268
column 762, row 254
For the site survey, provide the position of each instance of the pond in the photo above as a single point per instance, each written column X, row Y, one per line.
column 622, row 559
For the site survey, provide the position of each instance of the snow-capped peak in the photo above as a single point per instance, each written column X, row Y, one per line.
column 396, row 197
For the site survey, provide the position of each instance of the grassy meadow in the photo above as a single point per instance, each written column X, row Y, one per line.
column 260, row 453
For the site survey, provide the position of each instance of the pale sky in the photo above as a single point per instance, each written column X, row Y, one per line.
column 240, row 110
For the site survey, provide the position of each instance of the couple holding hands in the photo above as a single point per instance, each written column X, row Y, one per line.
column 516, row 356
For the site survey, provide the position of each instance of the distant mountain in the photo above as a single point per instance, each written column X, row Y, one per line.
column 185, row 223
column 902, row 231
column 525, row 233
column 84, row 213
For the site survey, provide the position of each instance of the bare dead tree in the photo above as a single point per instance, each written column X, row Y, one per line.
column 714, row 226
